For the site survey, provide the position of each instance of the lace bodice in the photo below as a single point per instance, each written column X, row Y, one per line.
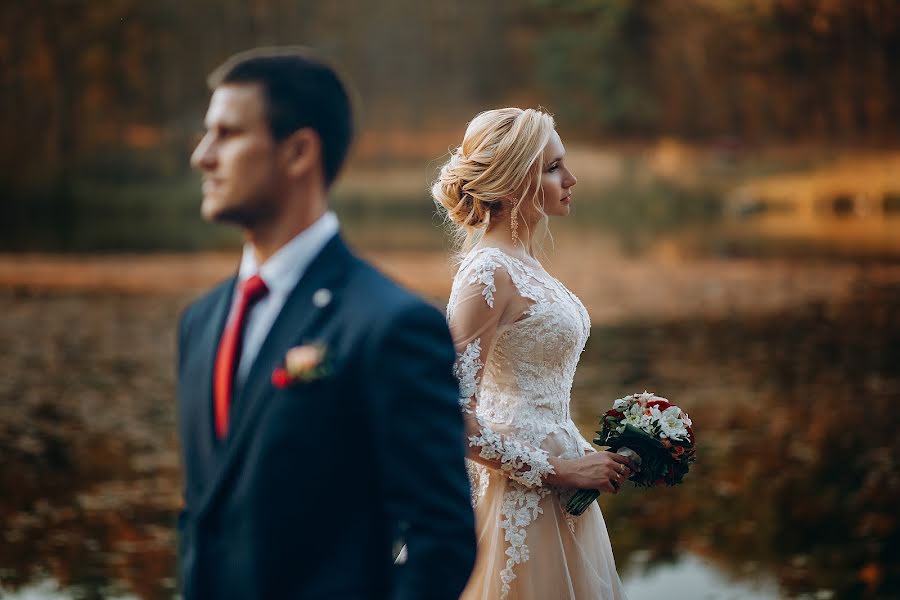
column 529, row 368
column 519, row 333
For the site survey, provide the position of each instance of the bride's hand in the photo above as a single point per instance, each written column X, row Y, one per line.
column 604, row 471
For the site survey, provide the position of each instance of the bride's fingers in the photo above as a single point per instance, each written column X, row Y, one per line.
column 614, row 481
column 623, row 460
column 609, row 487
column 615, row 485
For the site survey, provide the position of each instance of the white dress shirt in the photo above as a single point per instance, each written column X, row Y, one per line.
column 281, row 273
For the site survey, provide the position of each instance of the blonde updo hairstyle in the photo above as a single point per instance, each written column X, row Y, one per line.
column 497, row 165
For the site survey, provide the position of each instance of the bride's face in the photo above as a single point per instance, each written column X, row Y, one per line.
column 556, row 179
column 556, row 183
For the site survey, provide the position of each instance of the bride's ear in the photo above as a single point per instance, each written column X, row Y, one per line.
column 301, row 152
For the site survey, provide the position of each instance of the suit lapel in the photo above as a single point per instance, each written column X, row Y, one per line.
column 298, row 316
column 203, row 434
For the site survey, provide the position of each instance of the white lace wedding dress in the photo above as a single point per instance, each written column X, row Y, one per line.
column 519, row 334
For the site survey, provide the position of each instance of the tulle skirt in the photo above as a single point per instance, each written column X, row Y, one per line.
column 568, row 558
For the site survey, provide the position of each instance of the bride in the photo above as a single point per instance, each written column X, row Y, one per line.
column 519, row 332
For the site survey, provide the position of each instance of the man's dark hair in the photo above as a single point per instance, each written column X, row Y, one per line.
column 300, row 91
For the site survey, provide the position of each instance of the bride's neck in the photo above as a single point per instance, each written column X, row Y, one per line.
column 499, row 234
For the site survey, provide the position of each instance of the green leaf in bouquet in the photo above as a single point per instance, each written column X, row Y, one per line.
column 637, row 439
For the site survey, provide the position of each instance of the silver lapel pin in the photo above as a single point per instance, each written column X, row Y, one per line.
column 321, row 298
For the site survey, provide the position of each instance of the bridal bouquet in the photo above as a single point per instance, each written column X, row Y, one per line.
column 655, row 434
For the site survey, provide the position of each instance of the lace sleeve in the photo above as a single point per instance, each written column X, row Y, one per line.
column 484, row 298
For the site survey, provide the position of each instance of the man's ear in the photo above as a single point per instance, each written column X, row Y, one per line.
column 301, row 152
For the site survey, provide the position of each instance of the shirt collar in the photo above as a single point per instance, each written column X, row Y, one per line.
column 283, row 270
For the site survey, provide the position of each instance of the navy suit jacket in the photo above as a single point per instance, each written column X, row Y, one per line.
column 316, row 483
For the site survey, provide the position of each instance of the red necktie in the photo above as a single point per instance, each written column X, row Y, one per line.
column 229, row 353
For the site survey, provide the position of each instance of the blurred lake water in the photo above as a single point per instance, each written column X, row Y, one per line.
column 789, row 369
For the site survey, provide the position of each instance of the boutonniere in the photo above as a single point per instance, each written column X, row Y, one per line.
column 301, row 364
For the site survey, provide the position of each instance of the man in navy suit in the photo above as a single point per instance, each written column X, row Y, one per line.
column 318, row 413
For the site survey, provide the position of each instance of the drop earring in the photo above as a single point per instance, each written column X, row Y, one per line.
column 514, row 223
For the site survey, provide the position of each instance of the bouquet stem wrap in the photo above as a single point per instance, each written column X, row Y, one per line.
column 584, row 498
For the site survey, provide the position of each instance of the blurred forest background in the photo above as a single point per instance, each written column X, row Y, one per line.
column 736, row 240
column 101, row 102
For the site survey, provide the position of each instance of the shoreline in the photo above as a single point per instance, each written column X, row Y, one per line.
column 615, row 289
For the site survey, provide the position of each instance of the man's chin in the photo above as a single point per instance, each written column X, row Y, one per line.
column 214, row 212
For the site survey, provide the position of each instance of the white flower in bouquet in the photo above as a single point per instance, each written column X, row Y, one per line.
column 645, row 397
column 621, row 403
column 649, row 419
column 634, row 415
column 672, row 425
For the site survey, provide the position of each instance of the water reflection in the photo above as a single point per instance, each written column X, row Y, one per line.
column 87, row 456
column 798, row 471
column 692, row 578
column 794, row 495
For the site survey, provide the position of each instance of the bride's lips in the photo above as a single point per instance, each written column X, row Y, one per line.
column 567, row 198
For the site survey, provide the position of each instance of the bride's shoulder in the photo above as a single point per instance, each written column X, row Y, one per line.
column 483, row 256
column 486, row 261
column 488, row 268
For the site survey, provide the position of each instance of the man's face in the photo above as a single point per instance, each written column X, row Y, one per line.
column 237, row 157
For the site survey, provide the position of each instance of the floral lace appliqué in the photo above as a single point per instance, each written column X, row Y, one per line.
column 466, row 371
column 483, row 273
column 514, row 456
column 519, row 508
